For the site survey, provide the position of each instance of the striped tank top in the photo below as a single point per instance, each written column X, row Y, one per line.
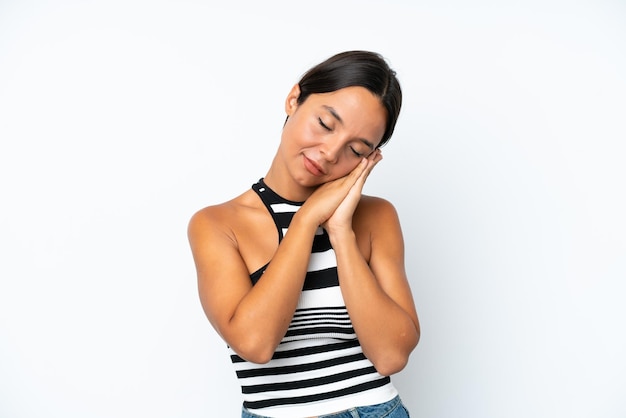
column 319, row 366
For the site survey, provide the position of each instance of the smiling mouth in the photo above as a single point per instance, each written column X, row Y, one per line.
column 313, row 168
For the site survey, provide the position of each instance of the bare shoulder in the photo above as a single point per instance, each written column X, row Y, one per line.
column 376, row 225
column 224, row 218
column 373, row 210
column 375, row 202
column 240, row 228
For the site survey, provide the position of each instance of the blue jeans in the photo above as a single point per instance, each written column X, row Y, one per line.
column 391, row 409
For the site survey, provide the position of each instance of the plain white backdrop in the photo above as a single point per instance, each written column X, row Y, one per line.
column 120, row 119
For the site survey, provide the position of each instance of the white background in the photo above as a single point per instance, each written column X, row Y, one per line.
column 120, row 119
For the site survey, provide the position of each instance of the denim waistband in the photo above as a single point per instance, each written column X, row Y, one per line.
column 390, row 409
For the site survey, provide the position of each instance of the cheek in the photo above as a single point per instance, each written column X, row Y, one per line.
column 345, row 168
column 298, row 134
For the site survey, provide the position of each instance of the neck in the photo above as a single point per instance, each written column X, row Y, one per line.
column 281, row 182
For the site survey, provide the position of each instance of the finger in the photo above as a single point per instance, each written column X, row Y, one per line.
column 359, row 169
column 360, row 182
column 372, row 161
column 376, row 156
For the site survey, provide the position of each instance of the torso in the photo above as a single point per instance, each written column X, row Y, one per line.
column 319, row 366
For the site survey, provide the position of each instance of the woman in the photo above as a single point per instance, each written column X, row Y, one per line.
column 302, row 275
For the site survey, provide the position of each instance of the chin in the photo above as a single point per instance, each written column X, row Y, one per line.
column 310, row 183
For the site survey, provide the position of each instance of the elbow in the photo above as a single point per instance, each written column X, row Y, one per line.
column 392, row 361
column 389, row 365
column 255, row 351
column 256, row 357
column 253, row 345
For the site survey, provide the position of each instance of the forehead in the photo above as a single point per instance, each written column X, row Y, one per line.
column 354, row 96
column 357, row 107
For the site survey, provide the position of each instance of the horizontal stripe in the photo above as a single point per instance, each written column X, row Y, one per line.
column 307, row 347
column 334, row 378
column 321, row 279
column 330, row 406
column 336, row 312
column 321, row 242
column 317, row 396
column 326, row 310
column 299, row 367
column 320, row 320
column 327, row 297
column 321, row 388
column 304, row 351
column 284, row 207
column 322, row 330
column 318, row 232
column 308, row 374
column 322, row 261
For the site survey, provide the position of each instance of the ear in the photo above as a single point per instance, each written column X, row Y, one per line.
column 291, row 103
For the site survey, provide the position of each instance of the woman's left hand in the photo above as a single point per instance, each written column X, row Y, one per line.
column 341, row 219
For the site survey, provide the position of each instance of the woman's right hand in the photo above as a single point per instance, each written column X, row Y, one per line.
column 321, row 205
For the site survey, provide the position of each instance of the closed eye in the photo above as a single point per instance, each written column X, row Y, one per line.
column 355, row 152
column 323, row 125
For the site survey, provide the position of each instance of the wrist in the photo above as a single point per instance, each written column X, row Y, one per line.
column 302, row 219
column 340, row 235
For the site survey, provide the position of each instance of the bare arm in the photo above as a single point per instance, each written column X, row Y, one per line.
column 254, row 319
column 251, row 319
column 376, row 293
column 378, row 296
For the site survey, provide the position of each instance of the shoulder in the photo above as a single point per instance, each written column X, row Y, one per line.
column 375, row 220
column 374, row 208
column 377, row 228
column 224, row 218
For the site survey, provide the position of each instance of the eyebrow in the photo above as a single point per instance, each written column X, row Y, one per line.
column 334, row 113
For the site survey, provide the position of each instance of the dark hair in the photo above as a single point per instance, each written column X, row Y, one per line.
column 357, row 68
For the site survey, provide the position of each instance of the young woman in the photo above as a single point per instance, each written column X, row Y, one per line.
column 302, row 275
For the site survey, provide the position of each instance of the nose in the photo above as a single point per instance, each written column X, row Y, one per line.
column 330, row 151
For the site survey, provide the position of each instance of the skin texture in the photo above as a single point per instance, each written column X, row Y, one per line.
column 327, row 150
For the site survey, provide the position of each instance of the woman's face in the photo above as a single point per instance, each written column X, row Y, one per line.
column 325, row 137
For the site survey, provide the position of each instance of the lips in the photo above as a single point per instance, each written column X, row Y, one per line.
column 313, row 167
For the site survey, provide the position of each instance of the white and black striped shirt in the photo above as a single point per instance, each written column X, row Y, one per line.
column 319, row 367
